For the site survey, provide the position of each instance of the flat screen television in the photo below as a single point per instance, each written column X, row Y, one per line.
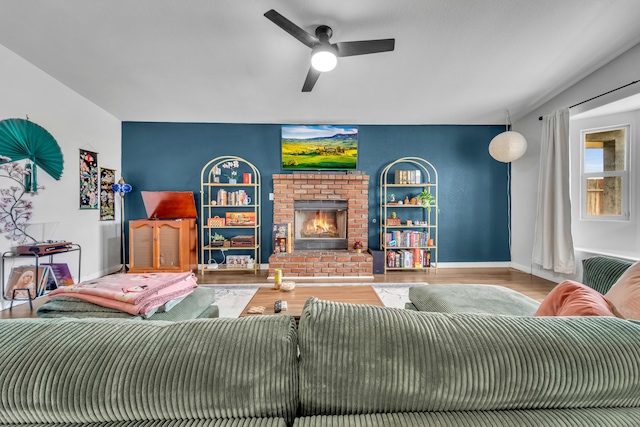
column 319, row 147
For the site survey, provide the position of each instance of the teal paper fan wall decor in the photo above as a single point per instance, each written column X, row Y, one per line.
column 23, row 139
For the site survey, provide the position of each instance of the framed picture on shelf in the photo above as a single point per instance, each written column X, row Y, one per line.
column 240, row 218
column 239, row 261
column 281, row 234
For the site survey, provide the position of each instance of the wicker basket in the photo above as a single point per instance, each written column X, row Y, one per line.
column 216, row 221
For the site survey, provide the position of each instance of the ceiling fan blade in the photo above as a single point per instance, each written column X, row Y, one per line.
column 364, row 47
column 310, row 81
column 291, row 28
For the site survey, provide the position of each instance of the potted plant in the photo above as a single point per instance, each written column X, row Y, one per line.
column 232, row 166
column 426, row 199
column 217, row 240
column 357, row 246
column 391, row 198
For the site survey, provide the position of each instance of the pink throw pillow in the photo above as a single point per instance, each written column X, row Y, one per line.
column 624, row 295
column 571, row 298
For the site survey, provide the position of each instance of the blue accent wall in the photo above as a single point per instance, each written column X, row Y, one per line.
column 472, row 187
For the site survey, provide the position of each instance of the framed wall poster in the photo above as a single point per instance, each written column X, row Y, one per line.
column 107, row 195
column 88, row 180
column 319, row 147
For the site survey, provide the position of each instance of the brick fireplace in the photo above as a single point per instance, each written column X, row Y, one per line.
column 352, row 188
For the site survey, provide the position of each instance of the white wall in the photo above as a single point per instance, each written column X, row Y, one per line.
column 619, row 72
column 75, row 123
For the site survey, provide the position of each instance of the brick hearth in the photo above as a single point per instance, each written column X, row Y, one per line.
column 324, row 186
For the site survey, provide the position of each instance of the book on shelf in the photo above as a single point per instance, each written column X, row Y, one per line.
column 61, row 273
column 282, row 240
column 408, row 239
column 232, row 198
column 23, row 283
column 407, row 177
column 409, row 258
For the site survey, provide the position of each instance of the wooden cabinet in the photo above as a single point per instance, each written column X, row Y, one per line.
column 162, row 245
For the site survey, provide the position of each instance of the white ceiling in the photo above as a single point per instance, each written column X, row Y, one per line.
column 455, row 62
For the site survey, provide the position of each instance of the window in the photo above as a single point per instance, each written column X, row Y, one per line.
column 605, row 173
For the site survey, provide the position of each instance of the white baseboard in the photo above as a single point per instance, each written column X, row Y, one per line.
column 329, row 278
column 544, row 274
column 523, row 268
column 505, row 264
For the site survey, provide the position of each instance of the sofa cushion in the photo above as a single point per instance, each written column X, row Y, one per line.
column 226, row 422
column 624, row 295
column 358, row 359
column 480, row 299
column 601, row 272
column 590, row 417
column 108, row 370
column 571, row 298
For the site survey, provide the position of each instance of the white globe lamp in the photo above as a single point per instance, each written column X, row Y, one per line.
column 508, row 146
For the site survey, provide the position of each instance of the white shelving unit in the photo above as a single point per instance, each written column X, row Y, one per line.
column 419, row 238
column 242, row 198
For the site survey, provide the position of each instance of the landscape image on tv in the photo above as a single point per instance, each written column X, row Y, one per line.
column 319, row 147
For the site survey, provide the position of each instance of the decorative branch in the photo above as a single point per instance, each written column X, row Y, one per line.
column 15, row 210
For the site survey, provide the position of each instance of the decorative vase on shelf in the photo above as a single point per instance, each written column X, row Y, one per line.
column 232, row 181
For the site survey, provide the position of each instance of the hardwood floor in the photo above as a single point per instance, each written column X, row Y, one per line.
column 532, row 286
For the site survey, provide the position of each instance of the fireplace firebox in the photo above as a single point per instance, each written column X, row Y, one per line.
column 320, row 224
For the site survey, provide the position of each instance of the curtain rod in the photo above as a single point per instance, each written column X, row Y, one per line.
column 602, row 94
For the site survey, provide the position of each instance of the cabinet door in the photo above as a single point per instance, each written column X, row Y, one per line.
column 141, row 247
column 169, row 246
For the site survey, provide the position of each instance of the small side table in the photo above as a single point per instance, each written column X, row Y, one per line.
column 73, row 247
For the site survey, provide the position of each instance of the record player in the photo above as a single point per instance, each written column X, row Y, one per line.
column 44, row 248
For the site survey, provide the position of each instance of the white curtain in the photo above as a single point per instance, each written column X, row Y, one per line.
column 553, row 243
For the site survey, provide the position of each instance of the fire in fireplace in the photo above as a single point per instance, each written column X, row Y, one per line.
column 320, row 224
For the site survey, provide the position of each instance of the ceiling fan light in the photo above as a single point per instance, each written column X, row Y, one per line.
column 508, row 146
column 323, row 59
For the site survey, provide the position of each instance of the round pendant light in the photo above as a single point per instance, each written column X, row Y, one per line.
column 508, row 146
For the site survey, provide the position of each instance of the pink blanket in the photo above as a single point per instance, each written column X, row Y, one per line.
column 137, row 294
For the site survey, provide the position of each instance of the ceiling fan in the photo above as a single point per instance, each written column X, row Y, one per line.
column 324, row 54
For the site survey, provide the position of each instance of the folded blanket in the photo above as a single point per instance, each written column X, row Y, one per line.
column 127, row 288
column 191, row 307
column 137, row 294
column 62, row 306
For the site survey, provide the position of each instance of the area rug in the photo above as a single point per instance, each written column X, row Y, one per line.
column 232, row 299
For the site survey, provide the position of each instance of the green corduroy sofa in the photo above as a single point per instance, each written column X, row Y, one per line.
column 344, row 365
